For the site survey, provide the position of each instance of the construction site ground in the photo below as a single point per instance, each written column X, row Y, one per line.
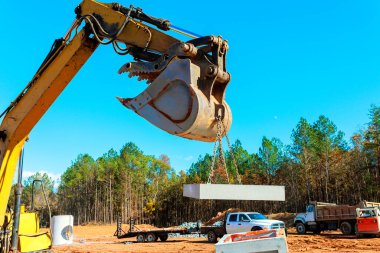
column 99, row 238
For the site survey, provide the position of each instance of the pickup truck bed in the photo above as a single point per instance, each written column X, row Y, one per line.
column 213, row 232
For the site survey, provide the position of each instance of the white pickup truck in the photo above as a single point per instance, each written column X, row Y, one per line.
column 238, row 222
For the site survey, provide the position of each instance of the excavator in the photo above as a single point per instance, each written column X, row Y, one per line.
column 185, row 95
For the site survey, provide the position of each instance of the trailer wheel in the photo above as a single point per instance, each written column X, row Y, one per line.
column 163, row 238
column 211, row 236
column 150, row 237
column 140, row 238
column 301, row 229
column 346, row 228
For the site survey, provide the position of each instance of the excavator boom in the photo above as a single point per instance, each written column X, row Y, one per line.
column 186, row 80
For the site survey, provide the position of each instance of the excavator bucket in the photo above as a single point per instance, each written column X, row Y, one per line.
column 185, row 95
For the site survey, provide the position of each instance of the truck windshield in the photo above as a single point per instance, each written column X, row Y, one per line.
column 257, row 216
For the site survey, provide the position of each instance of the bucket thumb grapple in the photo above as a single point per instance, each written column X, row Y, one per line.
column 186, row 92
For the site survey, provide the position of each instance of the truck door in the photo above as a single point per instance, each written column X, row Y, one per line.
column 244, row 224
column 310, row 213
column 232, row 223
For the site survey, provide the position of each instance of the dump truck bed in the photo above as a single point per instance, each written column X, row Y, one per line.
column 337, row 212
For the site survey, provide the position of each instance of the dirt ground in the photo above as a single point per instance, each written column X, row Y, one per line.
column 92, row 238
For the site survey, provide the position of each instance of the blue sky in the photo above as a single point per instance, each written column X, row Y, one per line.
column 288, row 59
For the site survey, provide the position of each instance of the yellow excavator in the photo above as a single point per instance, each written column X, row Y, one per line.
column 185, row 94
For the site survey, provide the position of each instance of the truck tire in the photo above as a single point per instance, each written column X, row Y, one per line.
column 211, row 236
column 140, row 238
column 151, row 237
column 300, row 227
column 346, row 228
column 164, row 237
column 256, row 228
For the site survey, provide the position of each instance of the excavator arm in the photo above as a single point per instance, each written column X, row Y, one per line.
column 186, row 80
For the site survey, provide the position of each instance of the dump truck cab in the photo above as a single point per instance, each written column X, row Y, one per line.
column 308, row 216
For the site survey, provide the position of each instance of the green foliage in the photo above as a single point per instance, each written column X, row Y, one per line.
column 39, row 201
column 271, row 155
column 372, row 140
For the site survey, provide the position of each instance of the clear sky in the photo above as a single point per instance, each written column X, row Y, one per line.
column 288, row 59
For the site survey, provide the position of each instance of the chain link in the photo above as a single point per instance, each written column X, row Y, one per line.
column 219, row 133
column 222, row 159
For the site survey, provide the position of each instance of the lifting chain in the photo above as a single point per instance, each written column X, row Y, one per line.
column 217, row 141
column 218, row 146
column 233, row 157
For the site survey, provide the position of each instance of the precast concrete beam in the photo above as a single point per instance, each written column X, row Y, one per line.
column 234, row 192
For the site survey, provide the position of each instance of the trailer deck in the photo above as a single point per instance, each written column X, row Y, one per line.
column 147, row 235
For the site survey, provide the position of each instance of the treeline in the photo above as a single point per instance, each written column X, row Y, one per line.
column 128, row 183
column 319, row 164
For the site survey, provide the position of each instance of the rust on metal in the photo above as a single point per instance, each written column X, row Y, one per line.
column 187, row 88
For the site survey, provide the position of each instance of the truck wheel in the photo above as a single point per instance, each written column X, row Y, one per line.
column 150, row 237
column 140, row 238
column 301, row 229
column 256, row 228
column 163, row 238
column 346, row 228
column 211, row 236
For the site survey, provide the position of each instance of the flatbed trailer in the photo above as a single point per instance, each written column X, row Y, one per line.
column 147, row 235
column 152, row 235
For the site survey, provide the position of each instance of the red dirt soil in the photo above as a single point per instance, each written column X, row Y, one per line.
column 99, row 238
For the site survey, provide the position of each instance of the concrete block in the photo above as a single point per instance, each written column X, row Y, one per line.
column 234, row 192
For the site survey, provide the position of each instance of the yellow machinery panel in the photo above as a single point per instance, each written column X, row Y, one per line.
column 34, row 242
column 29, row 223
column 30, row 239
